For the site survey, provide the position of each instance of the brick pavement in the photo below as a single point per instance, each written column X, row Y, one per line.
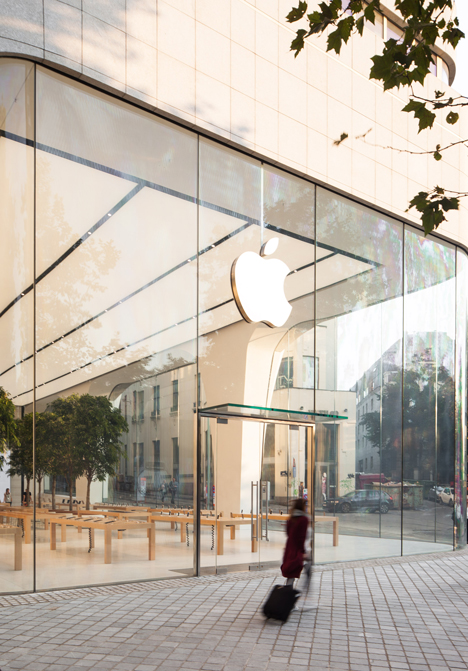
column 405, row 613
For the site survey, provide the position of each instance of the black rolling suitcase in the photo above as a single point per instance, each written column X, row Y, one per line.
column 280, row 602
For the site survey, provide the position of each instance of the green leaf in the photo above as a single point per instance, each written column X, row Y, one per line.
column 360, row 25
column 297, row 13
column 424, row 116
column 452, row 117
column 369, row 13
column 334, row 41
column 433, row 207
column 298, row 42
column 437, row 155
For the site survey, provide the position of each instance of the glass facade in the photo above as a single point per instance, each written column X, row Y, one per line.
column 120, row 331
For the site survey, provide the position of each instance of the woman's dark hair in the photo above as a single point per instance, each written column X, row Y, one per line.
column 298, row 504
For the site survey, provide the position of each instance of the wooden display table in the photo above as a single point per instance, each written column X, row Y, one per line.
column 284, row 518
column 108, row 527
column 16, row 532
column 117, row 508
column 221, row 523
column 26, row 515
column 116, row 514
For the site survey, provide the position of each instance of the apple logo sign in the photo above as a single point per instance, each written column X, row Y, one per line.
column 258, row 286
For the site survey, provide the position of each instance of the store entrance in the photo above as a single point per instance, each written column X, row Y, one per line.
column 251, row 469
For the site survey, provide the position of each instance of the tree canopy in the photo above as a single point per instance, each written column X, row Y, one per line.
column 97, row 431
column 405, row 62
column 8, row 425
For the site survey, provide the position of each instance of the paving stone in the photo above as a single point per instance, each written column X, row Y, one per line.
column 404, row 614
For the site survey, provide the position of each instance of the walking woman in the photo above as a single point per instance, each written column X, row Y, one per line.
column 294, row 552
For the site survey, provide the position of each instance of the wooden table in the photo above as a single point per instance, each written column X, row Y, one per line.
column 284, row 518
column 117, row 514
column 16, row 532
column 27, row 516
column 116, row 508
column 221, row 524
column 108, row 527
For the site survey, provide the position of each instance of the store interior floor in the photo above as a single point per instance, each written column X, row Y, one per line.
column 71, row 565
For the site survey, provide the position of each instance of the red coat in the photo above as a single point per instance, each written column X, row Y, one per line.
column 293, row 559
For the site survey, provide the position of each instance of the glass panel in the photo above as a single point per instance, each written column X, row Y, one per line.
column 269, row 413
column 377, row 26
column 429, row 394
column 16, row 324
column 443, row 71
column 234, row 220
column 116, row 327
column 358, row 357
column 230, row 494
column 461, row 401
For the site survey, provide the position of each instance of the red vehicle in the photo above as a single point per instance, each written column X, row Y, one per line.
column 365, row 480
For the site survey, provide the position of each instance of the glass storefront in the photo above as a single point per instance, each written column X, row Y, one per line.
column 120, row 331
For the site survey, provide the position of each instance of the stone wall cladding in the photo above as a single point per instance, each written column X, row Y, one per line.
column 226, row 68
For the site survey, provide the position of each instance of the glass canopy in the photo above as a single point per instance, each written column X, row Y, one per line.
column 259, row 413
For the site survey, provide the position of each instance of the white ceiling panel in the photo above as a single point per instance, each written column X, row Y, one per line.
column 71, row 198
column 16, row 332
column 16, row 219
column 152, row 234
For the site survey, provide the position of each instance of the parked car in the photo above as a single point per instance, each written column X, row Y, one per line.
column 434, row 494
column 361, row 500
column 447, row 495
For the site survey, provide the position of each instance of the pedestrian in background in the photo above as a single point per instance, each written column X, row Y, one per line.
column 7, row 497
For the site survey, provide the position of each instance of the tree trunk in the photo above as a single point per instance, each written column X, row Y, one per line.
column 54, row 484
column 88, row 492
column 39, row 482
column 70, row 499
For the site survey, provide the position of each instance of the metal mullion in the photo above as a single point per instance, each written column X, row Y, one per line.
column 34, row 327
column 197, row 480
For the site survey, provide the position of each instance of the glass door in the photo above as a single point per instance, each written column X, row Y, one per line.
column 251, row 472
column 230, row 494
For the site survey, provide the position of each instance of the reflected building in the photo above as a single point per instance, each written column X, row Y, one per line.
column 158, row 431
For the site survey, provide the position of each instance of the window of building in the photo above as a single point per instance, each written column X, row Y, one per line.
column 285, row 376
column 393, row 32
column 377, row 26
column 175, row 396
column 156, row 458
column 175, row 458
column 366, row 464
column 443, row 71
column 309, row 372
column 138, row 405
column 372, row 463
column 156, row 401
column 123, row 406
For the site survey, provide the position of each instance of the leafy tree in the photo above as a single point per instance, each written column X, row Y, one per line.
column 8, row 426
column 97, row 431
column 45, row 449
column 405, row 62
column 21, row 453
column 69, row 461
